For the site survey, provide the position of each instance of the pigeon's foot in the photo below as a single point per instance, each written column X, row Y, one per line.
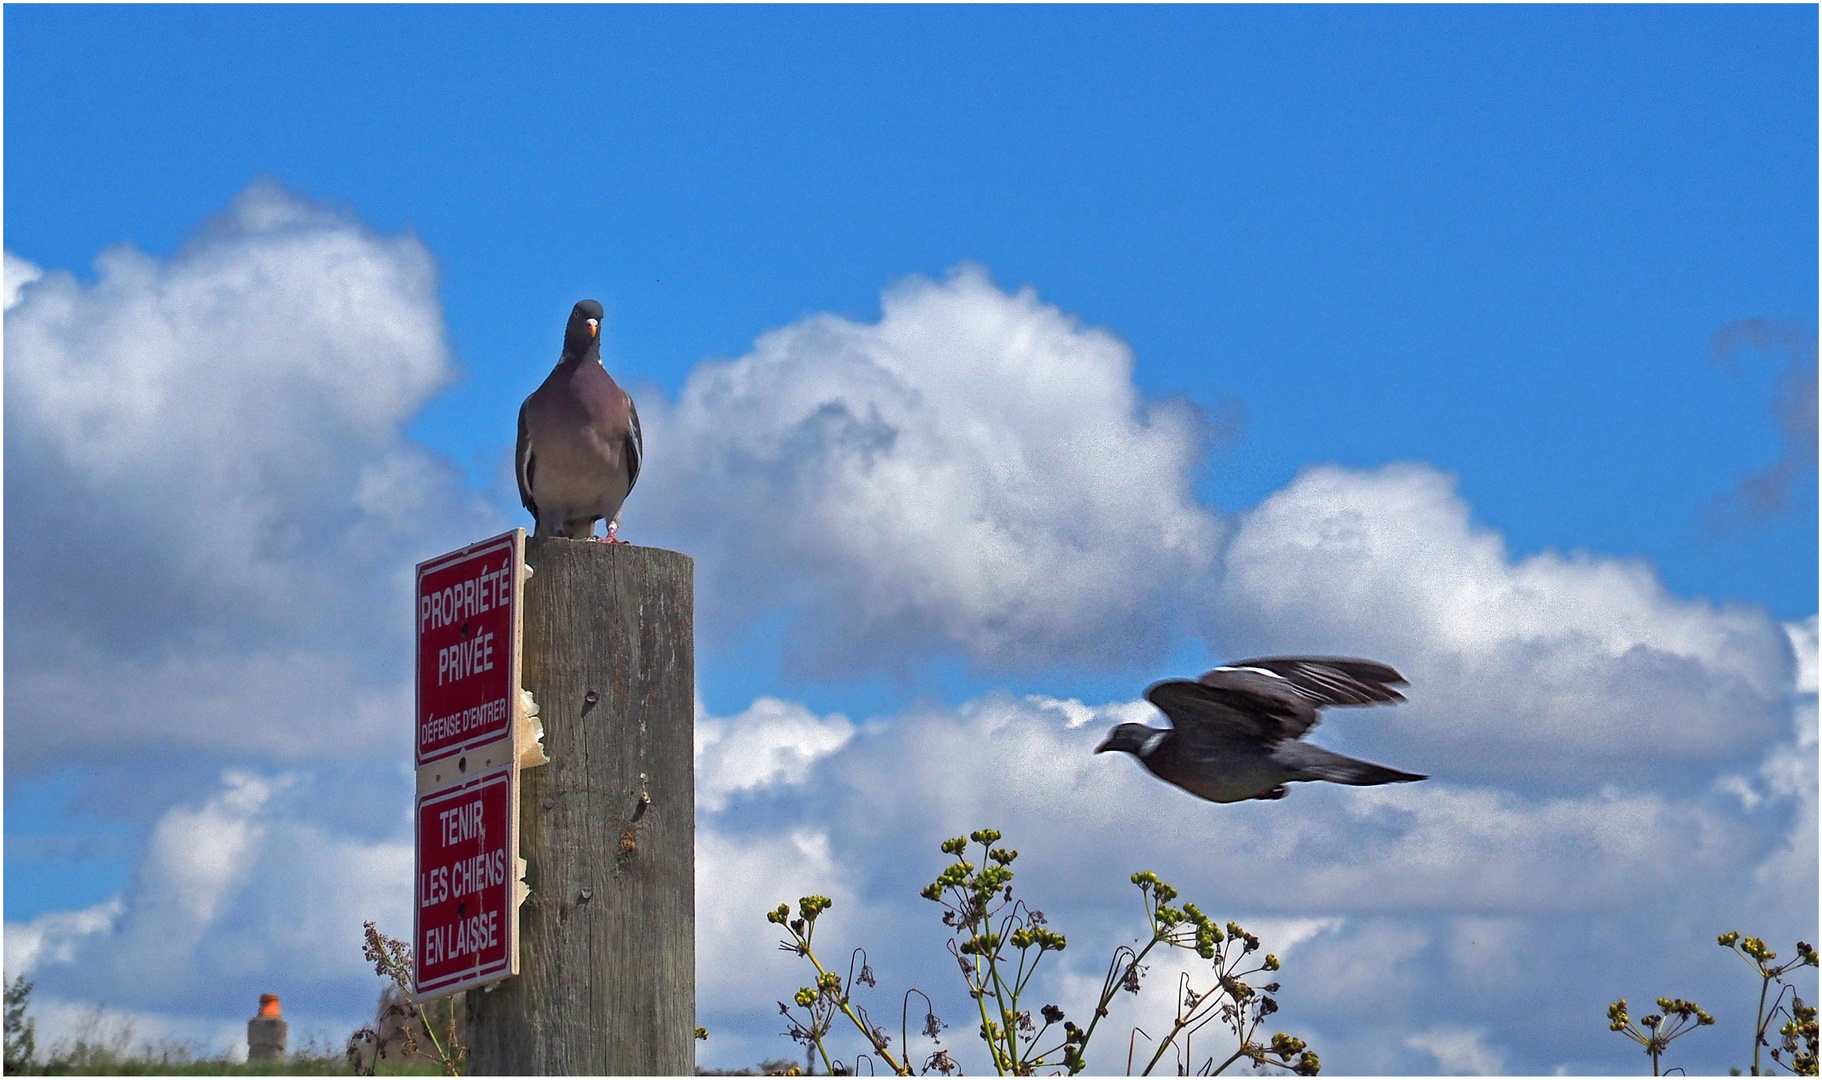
column 1278, row 792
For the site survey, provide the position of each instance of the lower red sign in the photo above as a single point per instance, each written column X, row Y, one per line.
column 465, row 911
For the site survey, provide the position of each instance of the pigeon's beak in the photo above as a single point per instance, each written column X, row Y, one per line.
column 1106, row 744
column 594, row 327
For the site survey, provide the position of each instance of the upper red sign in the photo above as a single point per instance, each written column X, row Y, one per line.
column 466, row 865
column 467, row 658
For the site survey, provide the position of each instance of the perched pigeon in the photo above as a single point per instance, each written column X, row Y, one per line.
column 579, row 443
column 1236, row 732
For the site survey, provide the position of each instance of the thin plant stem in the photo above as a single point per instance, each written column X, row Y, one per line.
column 841, row 1002
column 1758, row 1027
column 1131, row 1040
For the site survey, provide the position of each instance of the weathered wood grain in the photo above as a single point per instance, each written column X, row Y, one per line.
column 607, row 937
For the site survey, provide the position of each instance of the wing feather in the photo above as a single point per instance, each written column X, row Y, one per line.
column 1290, row 689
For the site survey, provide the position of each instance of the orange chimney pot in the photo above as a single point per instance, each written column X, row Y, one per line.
column 268, row 1004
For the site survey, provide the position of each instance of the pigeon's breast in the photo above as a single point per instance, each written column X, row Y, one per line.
column 1231, row 778
column 578, row 432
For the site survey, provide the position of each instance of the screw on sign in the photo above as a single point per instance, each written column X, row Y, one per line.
column 467, row 620
column 465, row 884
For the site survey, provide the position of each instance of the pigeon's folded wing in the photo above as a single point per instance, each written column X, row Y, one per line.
column 635, row 444
column 523, row 466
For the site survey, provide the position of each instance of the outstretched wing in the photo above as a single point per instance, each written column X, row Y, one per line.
column 1287, row 691
column 635, row 444
column 1207, row 723
column 524, row 464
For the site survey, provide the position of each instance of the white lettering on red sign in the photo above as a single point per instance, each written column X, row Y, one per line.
column 467, row 653
column 465, row 883
column 464, row 937
column 435, row 727
column 464, row 877
column 465, row 658
column 461, row 823
column 465, row 599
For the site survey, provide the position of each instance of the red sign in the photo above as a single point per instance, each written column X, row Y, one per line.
column 466, row 869
column 467, row 657
column 468, row 617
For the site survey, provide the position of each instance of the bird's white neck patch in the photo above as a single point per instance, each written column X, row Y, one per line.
column 1151, row 743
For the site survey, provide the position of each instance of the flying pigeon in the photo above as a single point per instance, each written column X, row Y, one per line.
column 579, row 443
column 1237, row 731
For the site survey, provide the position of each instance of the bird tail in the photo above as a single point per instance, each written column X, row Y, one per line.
column 1367, row 774
column 1315, row 763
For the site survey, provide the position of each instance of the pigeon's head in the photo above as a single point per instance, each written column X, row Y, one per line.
column 584, row 328
column 1132, row 738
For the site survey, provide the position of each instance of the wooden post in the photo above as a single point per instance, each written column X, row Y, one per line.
column 607, row 829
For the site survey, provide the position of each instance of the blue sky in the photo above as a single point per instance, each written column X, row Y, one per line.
column 1496, row 245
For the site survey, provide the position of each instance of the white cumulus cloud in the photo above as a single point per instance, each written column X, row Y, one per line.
column 773, row 742
column 1541, row 668
column 974, row 472
column 234, row 891
column 19, row 274
column 1462, row 1051
column 738, row 879
column 212, row 504
column 53, row 938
